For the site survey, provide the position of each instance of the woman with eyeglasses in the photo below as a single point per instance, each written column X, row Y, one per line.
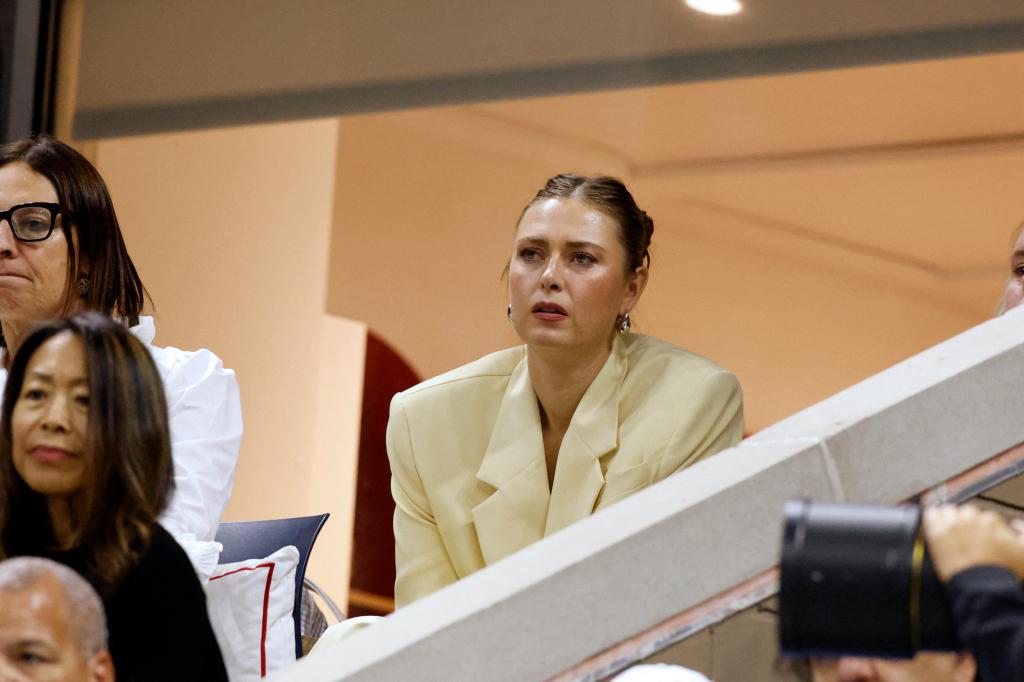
column 511, row 448
column 85, row 470
column 61, row 251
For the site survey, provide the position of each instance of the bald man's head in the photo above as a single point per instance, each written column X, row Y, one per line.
column 52, row 625
column 928, row 666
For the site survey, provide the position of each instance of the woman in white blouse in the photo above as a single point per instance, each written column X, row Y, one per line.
column 61, row 251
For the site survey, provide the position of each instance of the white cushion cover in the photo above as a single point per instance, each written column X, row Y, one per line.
column 250, row 605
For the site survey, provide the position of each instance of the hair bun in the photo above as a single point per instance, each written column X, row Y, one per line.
column 648, row 223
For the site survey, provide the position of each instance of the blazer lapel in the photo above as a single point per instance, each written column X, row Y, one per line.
column 514, row 514
column 593, row 433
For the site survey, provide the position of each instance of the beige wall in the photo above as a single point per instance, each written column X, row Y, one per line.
column 277, row 245
column 230, row 230
column 426, row 203
column 423, row 229
column 794, row 320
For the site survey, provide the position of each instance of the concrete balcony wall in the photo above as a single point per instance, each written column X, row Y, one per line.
column 704, row 530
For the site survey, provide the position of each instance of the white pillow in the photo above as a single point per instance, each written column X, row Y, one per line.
column 250, row 605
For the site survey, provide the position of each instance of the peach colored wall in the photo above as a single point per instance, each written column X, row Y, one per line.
column 794, row 321
column 426, row 204
column 423, row 229
column 404, row 225
column 230, row 229
column 402, row 222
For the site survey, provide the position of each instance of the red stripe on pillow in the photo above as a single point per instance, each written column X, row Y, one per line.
column 266, row 605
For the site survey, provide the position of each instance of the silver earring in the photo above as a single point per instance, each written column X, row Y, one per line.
column 83, row 285
column 509, row 312
column 624, row 325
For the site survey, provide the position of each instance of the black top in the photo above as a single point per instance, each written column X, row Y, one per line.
column 988, row 607
column 159, row 628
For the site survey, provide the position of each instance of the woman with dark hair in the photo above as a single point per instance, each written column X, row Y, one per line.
column 61, row 251
column 85, row 471
column 510, row 448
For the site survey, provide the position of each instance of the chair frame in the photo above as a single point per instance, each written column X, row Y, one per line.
column 243, row 540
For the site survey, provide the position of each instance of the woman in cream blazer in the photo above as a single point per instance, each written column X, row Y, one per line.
column 508, row 449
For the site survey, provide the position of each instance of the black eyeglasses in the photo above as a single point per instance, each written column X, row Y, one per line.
column 31, row 222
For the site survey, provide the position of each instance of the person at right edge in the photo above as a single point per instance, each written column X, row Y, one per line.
column 980, row 557
column 517, row 445
column 982, row 562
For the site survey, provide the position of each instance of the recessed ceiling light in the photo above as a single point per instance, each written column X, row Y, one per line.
column 718, row 7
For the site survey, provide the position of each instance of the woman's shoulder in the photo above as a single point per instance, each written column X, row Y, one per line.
column 492, row 368
column 183, row 369
column 165, row 555
column 650, row 357
column 160, row 611
column 162, row 570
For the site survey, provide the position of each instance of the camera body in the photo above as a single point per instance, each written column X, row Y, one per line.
column 857, row 580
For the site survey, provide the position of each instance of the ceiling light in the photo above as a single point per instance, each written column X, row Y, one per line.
column 718, row 7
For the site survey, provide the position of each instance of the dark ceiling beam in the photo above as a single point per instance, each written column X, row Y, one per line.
column 250, row 106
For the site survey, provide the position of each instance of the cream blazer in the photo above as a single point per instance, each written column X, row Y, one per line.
column 467, row 456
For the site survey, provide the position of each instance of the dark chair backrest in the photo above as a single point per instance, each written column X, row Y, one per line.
column 244, row 540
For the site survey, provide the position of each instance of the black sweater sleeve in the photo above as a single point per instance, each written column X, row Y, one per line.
column 159, row 628
column 988, row 607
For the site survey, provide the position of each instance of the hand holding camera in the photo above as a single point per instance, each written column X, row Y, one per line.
column 888, row 582
column 964, row 537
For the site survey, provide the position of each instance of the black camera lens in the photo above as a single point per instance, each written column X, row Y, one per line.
column 857, row 580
